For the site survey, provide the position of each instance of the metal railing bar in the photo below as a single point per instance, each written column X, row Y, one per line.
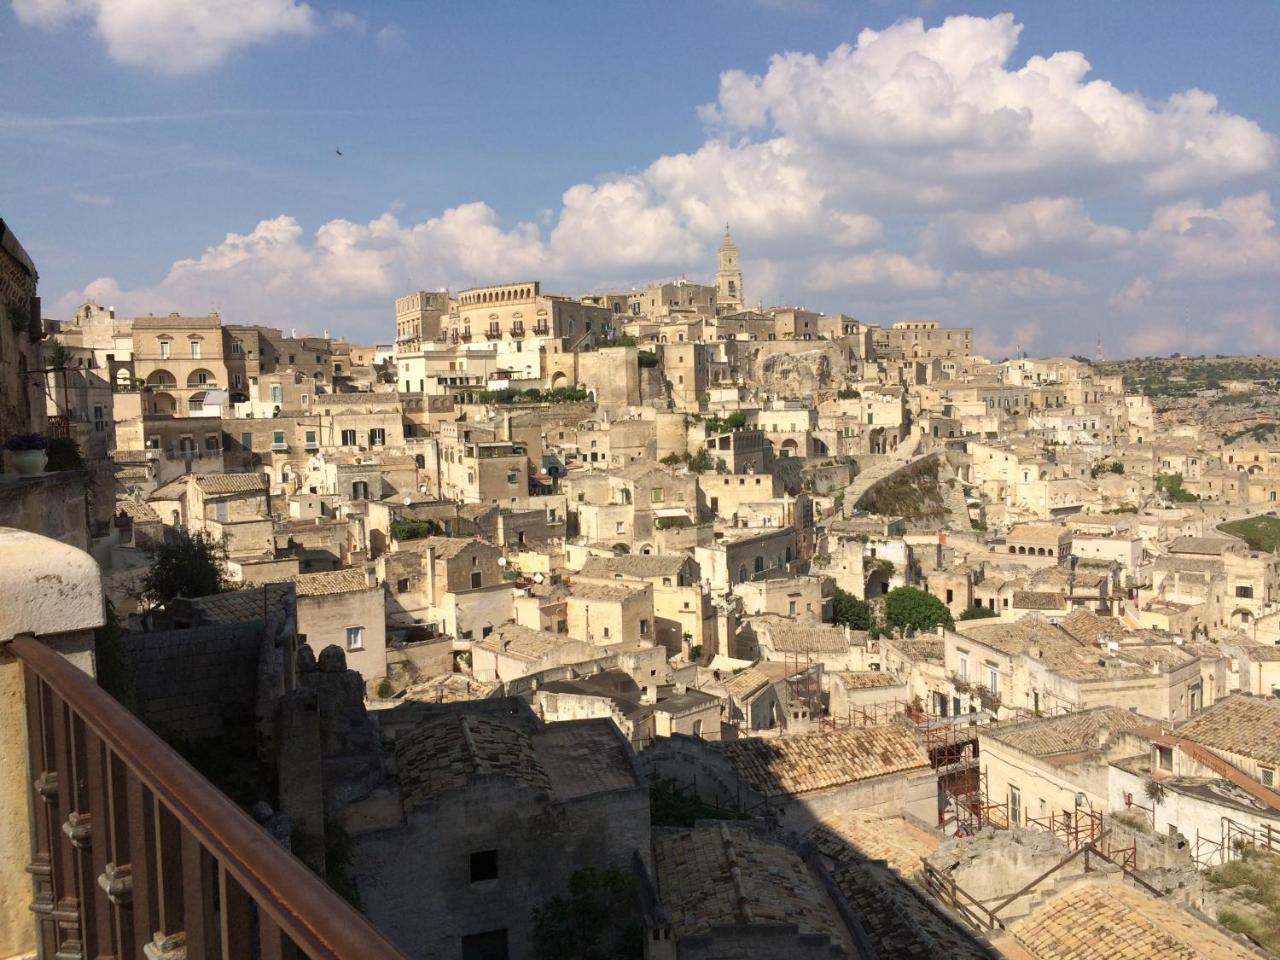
column 310, row 914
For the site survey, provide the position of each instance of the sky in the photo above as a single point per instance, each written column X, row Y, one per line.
column 1052, row 174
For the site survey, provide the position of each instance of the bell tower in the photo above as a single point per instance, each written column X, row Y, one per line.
column 728, row 277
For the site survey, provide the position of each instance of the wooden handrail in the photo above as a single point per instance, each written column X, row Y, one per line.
column 315, row 919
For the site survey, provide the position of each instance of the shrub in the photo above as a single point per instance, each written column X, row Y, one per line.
column 978, row 612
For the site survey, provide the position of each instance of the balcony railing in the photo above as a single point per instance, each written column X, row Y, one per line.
column 134, row 854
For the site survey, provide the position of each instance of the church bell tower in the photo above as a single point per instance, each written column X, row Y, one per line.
column 728, row 277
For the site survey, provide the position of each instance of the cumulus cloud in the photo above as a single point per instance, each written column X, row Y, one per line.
column 916, row 171
column 928, row 116
column 1041, row 227
column 174, row 36
column 1236, row 238
column 1134, row 294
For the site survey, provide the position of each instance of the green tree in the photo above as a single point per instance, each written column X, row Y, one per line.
column 849, row 611
column 978, row 612
column 908, row 607
column 185, row 564
column 598, row 920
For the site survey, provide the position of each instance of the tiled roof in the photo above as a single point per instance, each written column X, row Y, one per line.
column 1087, row 627
column 602, row 592
column 1037, row 600
column 899, row 921
column 919, row 649
column 640, row 565
column 521, row 643
column 1109, row 921
column 1241, row 724
column 1087, row 731
column 137, row 511
column 349, row 580
column 868, row 679
column 444, row 753
column 444, row 547
column 222, row 484
column 719, row 874
column 791, row 636
column 742, row 685
column 1204, row 546
column 449, row 688
column 798, row 765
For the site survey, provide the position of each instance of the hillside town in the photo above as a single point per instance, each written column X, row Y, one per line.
column 702, row 627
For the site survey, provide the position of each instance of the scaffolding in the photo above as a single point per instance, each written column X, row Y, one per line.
column 804, row 686
column 965, row 808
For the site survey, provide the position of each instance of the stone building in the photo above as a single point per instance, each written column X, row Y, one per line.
column 418, row 319
column 729, row 295
column 22, row 407
column 492, row 813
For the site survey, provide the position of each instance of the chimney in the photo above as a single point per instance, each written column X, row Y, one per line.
column 680, row 689
column 649, row 695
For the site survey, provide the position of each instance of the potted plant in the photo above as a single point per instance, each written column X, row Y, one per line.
column 27, row 452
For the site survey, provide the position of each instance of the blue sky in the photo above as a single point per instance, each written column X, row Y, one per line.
column 183, row 158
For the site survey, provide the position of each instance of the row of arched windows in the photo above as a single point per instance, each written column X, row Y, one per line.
column 498, row 296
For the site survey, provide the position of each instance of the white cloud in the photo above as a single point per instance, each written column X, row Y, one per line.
column 928, row 116
column 880, row 268
column 390, row 37
column 174, row 36
column 1044, row 226
column 1236, row 238
column 1134, row 294
column 826, row 167
column 93, row 199
column 345, row 20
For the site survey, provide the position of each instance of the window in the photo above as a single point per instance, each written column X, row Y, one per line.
column 484, row 866
column 164, row 349
column 1244, row 591
column 791, row 608
column 964, row 668
column 212, row 441
column 606, row 632
column 1164, row 757
column 477, row 580
column 246, row 440
column 277, row 438
column 195, row 349
column 311, row 438
column 658, row 495
column 355, row 638
column 377, row 437
column 99, row 421
column 348, row 438
column 277, row 393
column 993, row 680
column 621, row 527
column 235, row 347
column 238, row 380
column 202, row 377
column 491, row 945
column 1267, row 777
column 1015, row 805
column 402, row 585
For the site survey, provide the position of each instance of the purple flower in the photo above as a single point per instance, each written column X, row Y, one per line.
column 26, row 441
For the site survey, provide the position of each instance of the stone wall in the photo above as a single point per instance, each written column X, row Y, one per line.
column 197, row 684
column 53, row 505
column 415, row 882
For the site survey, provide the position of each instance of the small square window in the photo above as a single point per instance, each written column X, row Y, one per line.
column 402, row 585
column 484, row 866
column 355, row 638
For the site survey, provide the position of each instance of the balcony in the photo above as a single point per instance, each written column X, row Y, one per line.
column 541, row 330
column 127, row 850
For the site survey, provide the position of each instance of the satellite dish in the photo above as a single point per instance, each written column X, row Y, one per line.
column 538, row 578
column 407, row 500
column 502, row 561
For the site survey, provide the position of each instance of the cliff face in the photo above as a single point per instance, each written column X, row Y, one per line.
column 810, row 373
